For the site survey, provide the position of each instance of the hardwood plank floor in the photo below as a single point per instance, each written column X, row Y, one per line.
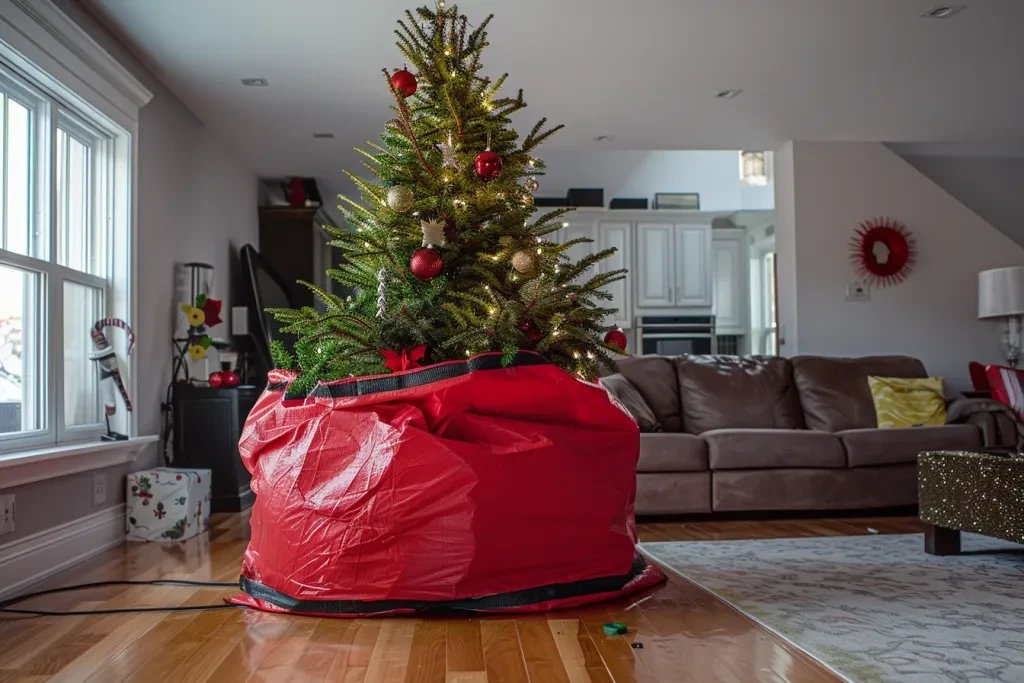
column 686, row 633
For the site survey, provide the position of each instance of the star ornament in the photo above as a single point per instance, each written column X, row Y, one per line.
column 433, row 232
column 449, row 159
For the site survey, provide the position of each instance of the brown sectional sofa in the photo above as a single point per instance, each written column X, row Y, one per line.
column 729, row 433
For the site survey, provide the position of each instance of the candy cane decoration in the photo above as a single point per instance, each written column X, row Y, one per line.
column 382, row 300
column 110, row 374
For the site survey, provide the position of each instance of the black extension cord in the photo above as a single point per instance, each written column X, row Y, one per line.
column 5, row 604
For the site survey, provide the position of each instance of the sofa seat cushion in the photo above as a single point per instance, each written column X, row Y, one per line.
column 739, row 449
column 672, row 453
column 868, row 447
column 654, row 378
column 834, row 392
column 737, row 392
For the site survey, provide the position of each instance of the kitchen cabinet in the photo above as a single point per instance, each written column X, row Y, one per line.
column 673, row 267
column 731, row 289
column 611, row 235
column 693, row 265
column 654, row 271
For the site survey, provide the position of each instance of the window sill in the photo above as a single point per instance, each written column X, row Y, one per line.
column 25, row 467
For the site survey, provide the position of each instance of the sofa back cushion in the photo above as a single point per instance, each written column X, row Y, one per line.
column 654, row 377
column 834, row 392
column 737, row 392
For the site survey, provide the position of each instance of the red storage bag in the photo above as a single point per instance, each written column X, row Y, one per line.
column 462, row 486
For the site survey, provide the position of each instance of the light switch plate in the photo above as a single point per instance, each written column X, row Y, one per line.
column 7, row 514
column 857, row 291
column 99, row 489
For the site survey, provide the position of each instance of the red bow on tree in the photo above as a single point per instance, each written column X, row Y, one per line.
column 396, row 362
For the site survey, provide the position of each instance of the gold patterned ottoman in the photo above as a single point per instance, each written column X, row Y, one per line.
column 976, row 492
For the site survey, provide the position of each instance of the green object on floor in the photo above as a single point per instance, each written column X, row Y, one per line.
column 615, row 629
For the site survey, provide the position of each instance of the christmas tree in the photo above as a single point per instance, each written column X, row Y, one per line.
column 445, row 251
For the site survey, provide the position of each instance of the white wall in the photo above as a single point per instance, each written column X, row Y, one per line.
column 785, row 250
column 196, row 202
column 714, row 174
column 989, row 186
column 933, row 314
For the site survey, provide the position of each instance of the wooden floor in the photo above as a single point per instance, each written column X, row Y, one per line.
column 687, row 635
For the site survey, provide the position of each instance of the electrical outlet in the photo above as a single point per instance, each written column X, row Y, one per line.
column 6, row 514
column 99, row 489
column 857, row 291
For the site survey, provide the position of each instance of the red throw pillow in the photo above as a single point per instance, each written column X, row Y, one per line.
column 1007, row 387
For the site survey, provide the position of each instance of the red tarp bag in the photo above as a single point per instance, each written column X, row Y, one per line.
column 460, row 486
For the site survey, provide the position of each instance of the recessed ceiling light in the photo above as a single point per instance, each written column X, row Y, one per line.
column 324, row 136
column 255, row 82
column 942, row 11
column 728, row 94
column 604, row 138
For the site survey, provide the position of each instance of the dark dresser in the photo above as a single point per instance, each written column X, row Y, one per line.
column 207, row 425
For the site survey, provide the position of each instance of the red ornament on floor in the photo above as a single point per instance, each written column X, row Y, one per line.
column 231, row 378
column 616, row 338
column 426, row 264
column 215, row 379
column 404, row 82
column 487, row 165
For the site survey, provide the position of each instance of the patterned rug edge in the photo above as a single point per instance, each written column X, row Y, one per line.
column 669, row 569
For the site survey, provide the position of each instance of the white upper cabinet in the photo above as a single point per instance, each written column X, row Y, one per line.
column 730, row 269
column 692, row 265
column 654, row 272
column 617, row 236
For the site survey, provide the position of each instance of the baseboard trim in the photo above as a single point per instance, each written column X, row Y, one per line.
column 41, row 555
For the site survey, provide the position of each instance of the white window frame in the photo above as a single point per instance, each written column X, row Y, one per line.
column 44, row 48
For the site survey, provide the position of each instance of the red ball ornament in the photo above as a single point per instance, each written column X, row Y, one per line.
column 215, row 379
column 530, row 329
column 404, row 82
column 487, row 165
column 616, row 338
column 426, row 264
column 231, row 378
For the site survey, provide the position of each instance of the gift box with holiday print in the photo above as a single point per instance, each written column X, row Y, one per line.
column 166, row 504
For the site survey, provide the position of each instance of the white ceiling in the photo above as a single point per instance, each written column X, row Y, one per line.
column 643, row 70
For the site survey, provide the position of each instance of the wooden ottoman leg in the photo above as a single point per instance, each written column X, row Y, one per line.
column 938, row 540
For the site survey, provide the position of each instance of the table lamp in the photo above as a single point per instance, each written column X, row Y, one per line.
column 1001, row 295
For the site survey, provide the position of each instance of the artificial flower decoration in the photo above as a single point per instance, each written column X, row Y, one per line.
column 211, row 309
column 195, row 316
column 196, row 352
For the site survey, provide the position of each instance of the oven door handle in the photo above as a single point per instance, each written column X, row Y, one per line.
column 677, row 326
column 668, row 335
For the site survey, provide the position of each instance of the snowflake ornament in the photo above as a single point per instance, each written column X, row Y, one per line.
column 433, row 232
column 449, row 160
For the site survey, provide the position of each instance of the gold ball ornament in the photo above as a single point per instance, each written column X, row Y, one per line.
column 524, row 261
column 400, row 198
column 528, row 199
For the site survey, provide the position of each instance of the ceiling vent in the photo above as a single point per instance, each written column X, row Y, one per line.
column 604, row 138
column 942, row 11
column 323, row 136
column 727, row 94
column 255, row 82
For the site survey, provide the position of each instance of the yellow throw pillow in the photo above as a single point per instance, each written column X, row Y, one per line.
column 903, row 402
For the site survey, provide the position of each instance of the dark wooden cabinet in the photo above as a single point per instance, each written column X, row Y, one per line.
column 207, row 425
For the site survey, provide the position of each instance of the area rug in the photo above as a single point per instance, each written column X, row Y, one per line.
column 874, row 608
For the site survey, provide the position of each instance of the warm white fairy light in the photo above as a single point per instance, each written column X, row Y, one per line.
column 576, row 354
column 366, row 245
column 556, row 269
column 539, row 240
column 539, row 250
column 448, row 51
column 447, row 179
column 492, row 311
column 514, row 277
column 565, row 225
column 468, row 353
column 590, row 355
column 487, row 287
column 415, row 213
column 532, row 163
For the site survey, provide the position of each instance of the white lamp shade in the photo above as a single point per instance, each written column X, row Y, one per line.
column 1001, row 292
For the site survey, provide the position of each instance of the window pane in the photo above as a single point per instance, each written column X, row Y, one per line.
column 83, row 306
column 17, row 213
column 78, row 246
column 21, row 331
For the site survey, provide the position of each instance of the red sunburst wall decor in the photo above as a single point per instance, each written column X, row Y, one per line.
column 882, row 251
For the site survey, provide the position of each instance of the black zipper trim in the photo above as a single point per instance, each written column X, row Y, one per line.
column 427, row 375
column 500, row 601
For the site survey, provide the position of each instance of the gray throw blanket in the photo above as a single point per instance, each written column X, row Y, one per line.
column 962, row 409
